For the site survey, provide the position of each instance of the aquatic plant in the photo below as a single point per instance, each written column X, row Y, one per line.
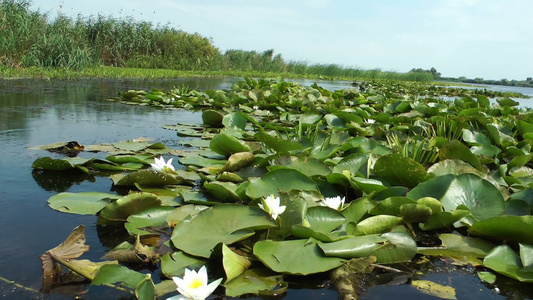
column 425, row 166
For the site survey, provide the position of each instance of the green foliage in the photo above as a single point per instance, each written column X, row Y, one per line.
column 403, row 167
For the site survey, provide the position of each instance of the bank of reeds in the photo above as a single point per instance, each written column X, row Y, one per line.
column 29, row 40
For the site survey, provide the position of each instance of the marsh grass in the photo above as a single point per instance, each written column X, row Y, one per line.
column 35, row 46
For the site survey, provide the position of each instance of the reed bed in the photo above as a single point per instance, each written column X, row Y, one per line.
column 81, row 46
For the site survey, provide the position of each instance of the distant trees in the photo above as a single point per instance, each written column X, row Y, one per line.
column 436, row 75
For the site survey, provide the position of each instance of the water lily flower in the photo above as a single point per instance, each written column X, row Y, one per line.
column 161, row 165
column 333, row 202
column 272, row 206
column 193, row 285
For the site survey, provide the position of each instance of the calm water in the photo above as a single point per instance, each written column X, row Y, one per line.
column 34, row 112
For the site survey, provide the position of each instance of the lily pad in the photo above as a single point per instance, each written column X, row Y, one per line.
column 282, row 180
column 400, row 170
column 504, row 260
column 225, row 144
column 174, row 264
column 510, row 229
column 126, row 206
column 261, row 282
column 87, row 203
column 296, row 257
column 219, row 224
column 391, row 247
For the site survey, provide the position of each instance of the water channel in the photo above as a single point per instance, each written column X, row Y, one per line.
column 39, row 112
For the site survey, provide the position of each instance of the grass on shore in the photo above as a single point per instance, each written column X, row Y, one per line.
column 123, row 72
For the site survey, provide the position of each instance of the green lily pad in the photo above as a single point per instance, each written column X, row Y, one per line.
column 510, row 229
column 219, row 224
column 456, row 150
column 400, row 170
column 460, row 248
column 376, row 224
column 146, row 178
column 297, row 257
column 223, row 191
column 212, row 117
column 277, row 144
column 151, row 217
column 282, row 180
column 391, row 247
column 110, row 274
column 126, row 206
column 480, row 196
column 261, row 282
column 232, row 263
column 87, row 203
column 47, row 163
column 504, row 260
column 174, row 264
column 226, row 145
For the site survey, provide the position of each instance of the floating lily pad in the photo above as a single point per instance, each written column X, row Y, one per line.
column 511, row 229
column 297, row 257
column 282, row 180
column 87, row 203
column 400, row 170
column 391, row 247
column 174, row 264
column 261, row 282
column 226, row 145
column 126, row 206
column 219, row 224
column 504, row 260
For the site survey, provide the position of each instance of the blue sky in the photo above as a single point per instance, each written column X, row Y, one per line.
column 491, row 39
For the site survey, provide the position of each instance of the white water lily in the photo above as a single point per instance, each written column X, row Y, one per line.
column 161, row 165
column 333, row 202
column 193, row 285
column 272, row 206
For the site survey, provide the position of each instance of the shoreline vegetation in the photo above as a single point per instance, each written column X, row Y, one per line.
column 32, row 46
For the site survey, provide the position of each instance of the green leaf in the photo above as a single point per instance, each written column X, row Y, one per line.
column 296, row 257
column 174, row 264
column 460, row 248
column 151, row 217
column 277, row 144
column 87, row 203
column 47, row 163
column 233, row 264
column 504, row 260
column 110, row 274
column 456, row 150
column 415, row 213
column 480, row 196
column 226, row 145
column 391, row 247
column 219, row 224
column 282, row 180
column 257, row 281
column 223, row 191
column 145, row 290
column 147, row 178
column 510, row 229
column 212, row 117
column 377, row 224
column 400, row 170
column 126, row 206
